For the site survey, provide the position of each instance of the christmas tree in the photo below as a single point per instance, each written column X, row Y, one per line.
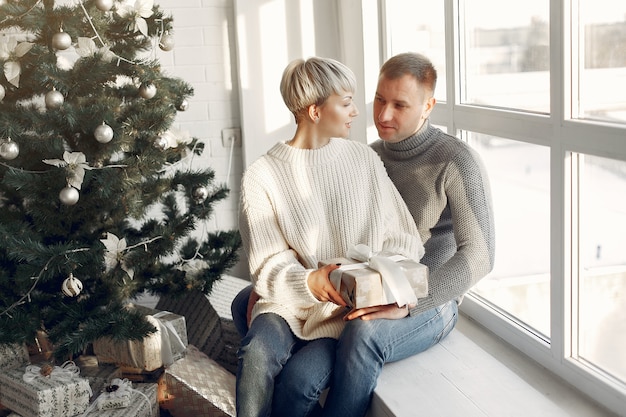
column 98, row 196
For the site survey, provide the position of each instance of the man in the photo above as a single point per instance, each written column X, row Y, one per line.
column 445, row 187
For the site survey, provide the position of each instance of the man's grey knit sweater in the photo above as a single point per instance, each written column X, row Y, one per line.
column 445, row 185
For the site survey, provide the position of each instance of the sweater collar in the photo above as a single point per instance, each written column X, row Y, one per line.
column 414, row 142
column 327, row 153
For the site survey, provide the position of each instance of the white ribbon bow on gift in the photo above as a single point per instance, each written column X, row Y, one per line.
column 171, row 341
column 123, row 387
column 65, row 373
column 396, row 286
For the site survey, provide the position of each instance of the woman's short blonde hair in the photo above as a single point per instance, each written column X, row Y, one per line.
column 312, row 81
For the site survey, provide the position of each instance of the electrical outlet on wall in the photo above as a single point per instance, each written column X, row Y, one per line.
column 231, row 135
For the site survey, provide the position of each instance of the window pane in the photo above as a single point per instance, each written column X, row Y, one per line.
column 603, row 69
column 520, row 281
column 419, row 27
column 602, row 275
column 507, row 54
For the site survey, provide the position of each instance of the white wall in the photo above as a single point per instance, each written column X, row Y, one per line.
column 204, row 57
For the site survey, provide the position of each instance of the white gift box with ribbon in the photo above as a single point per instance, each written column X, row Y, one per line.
column 367, row 279
column 45, row 391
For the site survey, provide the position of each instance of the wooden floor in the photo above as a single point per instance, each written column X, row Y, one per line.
column 470, row 374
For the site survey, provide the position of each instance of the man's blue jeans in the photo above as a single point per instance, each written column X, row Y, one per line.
column 362, row 350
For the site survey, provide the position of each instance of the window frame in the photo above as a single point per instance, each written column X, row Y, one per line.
column 566, row 136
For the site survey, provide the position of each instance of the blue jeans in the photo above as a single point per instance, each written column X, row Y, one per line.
column 362, row 350
column 272, row 362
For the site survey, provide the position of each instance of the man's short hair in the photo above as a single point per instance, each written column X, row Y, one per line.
column 312, row 81
column 412, row 63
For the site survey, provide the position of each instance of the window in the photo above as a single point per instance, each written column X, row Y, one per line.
column 519, row 284
column 602, row 268
column 507, row 54
column 537, row 88
column 425, row 35
column 602, row 64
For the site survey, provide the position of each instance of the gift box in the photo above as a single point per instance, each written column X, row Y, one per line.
column 173, row 333
column 142, row 403
column 115, row 395
column 45, row 391
column 366, row 280
column 197, row 386
column 99, row 376
column 142, row 354
column 209, row 321
column 158, row 349
column 13, row 355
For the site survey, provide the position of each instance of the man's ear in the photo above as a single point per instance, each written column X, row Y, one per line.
column 430, row 105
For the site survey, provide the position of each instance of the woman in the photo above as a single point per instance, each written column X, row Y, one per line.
column 309, row 199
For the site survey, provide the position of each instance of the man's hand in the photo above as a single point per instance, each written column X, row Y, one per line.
column 389, row 311
column 322, row 288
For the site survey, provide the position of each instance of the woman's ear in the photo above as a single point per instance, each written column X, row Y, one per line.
column 313, row 112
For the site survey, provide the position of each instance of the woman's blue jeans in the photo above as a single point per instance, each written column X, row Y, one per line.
column 361, row 351
column 273, row 362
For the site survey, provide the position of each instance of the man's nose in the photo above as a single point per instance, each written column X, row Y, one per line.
column 384, row 114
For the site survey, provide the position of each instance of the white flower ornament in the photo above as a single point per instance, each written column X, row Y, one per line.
column 192, row 268
column 114, row 254
column 141, row 10
column 87, row 47
column 76, row 164
column 176, row 137
column 9, row 48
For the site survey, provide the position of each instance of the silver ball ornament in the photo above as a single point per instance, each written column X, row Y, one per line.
column 54, row 99
column 104, row 5
column 72, row 286
column 9, row 150
column 161, row 143
column 2, row 92
column 183, row 105
column 200, row 194
column 103, row 133
column 69, row 196
column 61, row 41
column 166, row 43
column 147, row 90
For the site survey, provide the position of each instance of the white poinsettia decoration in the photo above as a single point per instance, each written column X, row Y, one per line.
column 75, row 163
column 9, row 50
column 87, row 47
column 114, row 254
column 176, row 137
column 140, row 11
column 193, row 267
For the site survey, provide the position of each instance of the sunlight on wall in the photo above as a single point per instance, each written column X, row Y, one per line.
column 242, row 45
column 273, row 34
column 307, row 28
column 228, row 79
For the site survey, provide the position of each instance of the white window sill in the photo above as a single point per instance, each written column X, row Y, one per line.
column 475, row 374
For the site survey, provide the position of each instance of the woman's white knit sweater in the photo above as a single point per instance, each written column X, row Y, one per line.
column 301, row 206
